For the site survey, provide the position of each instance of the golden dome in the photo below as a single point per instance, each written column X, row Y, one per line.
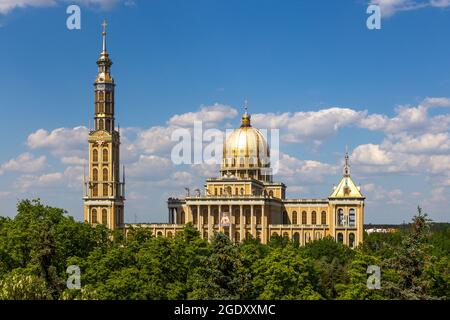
column 245, row 149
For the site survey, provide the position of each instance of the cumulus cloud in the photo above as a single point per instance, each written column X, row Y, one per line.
column 207, row 114
column 7, row 6
column 64, row 142
column 26, row 162
column 300, row 127
column 391, row 7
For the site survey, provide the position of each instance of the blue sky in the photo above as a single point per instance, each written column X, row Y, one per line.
column 310, row 68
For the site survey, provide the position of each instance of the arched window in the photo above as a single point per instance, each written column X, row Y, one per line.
column 101, row 95
column 229, row 191
column 324, row 218
column 351, row 240
column 247, row 235
column 105, row 217
column 340, row 238
column 182, row 217
column 100, row 122
column 105, row 155
column 169, row 235
column 318, row 236
column 351, row 217
column 237, row 236
column 340, row 217
column 95, row 190
column 105, row 190
column 258, row 235
column 94, row 216
column 313, row 217
column 205, row 235
column 296, row 238
column 274, row 235
column 105, row 174
column 271, row 193
column 285, row 217
column 237, row 191
column 95, row 174
column 159, row 234
column 242, row 191
column 307, row 237
column 286, row 235
column 108, row 124
column 304, row 218
column 95, row 155
column 294, row 217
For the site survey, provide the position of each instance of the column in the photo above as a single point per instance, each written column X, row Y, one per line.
column 253, row 221
column 263, row 223
column 209, row 221
column 198, row 218
column 241, row 221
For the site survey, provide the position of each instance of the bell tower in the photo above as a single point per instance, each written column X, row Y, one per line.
column 104, row 192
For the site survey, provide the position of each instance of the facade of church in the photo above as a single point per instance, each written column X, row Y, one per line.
column 242, row 202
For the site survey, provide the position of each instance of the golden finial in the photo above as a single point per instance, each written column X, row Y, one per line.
column 245, row 122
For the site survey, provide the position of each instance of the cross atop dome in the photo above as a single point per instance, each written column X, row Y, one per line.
column 245, row 122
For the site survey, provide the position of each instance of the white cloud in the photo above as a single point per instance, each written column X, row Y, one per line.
column 391, row 7
column 64, row 142
column 307, row 126
column 207, row 114
column 7, row 6
column 370, row 154
column 26, row 162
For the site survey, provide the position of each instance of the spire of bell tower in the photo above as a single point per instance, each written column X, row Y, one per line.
column 347, row 165
column 104, row 24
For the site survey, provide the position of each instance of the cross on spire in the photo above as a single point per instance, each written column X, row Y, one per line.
column 104, row 24
column 246, row 106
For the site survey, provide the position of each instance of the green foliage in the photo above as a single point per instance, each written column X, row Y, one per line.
column 38, row 245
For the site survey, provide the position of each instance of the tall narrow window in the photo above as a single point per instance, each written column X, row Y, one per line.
column 94, row 216
column 237, row 236
column 95, row 155
column 294, row 217
column 95, row 174
column 351, row 217
column 313, row 217
column 105, row 217
column 285, row 217
column 105, row 155
column 95, row 190
column 340, row 238
column 258, row 217
column 340, row 217
column 324, row 218
column 105, row 190
column 351, row 240
column 237, row 217
column 105, row 174
column 100, row 124
column 247, row 217
column 194, row 216
column 304, row 218
column 182, row 218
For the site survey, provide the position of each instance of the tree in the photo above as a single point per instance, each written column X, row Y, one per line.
column 285, row 274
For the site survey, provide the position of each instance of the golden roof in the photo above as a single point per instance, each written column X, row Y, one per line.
column 245, row 146
column 346, row 189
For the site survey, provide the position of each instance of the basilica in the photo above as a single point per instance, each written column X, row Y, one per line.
column 243, row 201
